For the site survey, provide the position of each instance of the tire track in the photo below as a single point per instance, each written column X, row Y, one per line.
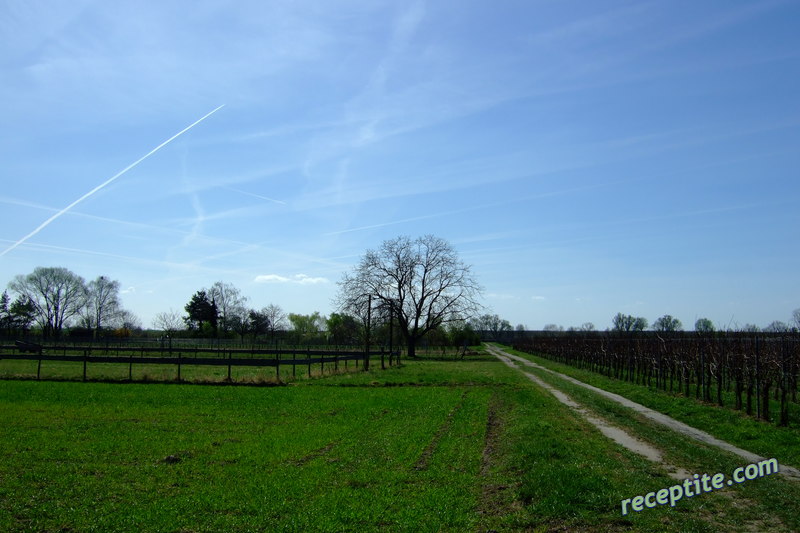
column 614, row 433
column 424, row 459
column 675, row 425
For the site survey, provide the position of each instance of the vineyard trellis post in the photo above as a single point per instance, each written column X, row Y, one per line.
column 758, row 381
column 784, row 418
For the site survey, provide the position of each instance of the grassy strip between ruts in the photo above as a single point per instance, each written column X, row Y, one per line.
column 430, row 446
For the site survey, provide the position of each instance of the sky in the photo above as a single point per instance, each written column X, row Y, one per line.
column 585, row 158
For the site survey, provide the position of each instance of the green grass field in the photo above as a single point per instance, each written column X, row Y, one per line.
column 430, row 446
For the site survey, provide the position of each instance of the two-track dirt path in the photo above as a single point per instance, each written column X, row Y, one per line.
column 626, row 439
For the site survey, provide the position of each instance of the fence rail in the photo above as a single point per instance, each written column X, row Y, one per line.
column 228, row 357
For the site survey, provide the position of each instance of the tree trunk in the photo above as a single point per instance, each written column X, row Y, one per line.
column 412, row 348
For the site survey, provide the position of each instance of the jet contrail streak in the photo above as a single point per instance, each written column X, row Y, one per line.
column 115, row 176
column 257, row 196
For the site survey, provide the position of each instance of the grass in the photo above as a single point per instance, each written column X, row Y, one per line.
column 433, row 445
column 102, row 459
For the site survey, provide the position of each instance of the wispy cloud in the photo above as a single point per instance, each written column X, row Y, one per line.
column 299, row 279
column 501, row 296
column 260, row 197
column 592, row 27
column 478, row 207
column 384, row 224
column 125, row 259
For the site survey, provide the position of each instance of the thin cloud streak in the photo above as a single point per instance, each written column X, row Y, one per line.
column 256, row 196
column 170, row 228
column 476, row 207
column 374, row 226
column 107, row 182
column 299, row 279
column 190, row 267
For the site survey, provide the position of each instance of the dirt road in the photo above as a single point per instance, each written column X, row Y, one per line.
column 627, row 440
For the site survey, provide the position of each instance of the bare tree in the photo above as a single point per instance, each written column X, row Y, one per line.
column 127, row 320
column 57, row 294
column 422, row 281
column 230, row 303
column 492, row 324
column 777, row 326
column 169, row 322
column 239, row 322
column 796, row 318
column 276, row 317
column 102, row 306
column 629, row 323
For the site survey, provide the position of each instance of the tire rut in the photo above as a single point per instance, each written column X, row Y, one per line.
column 424, row 459
column 618, row 435
column 675, row 425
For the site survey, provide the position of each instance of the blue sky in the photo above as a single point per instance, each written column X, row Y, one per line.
column 586, row 158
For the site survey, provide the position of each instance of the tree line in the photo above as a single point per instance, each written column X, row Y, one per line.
column 408, row 290
column 55, row 298
column 667, row 323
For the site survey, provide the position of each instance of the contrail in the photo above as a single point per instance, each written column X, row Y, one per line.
column 115, row 176
column 257, row 196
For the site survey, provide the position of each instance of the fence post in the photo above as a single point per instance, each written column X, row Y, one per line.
column 383, row 365
column 39, row 367
column 230, row 355
column 308, row 360
column 84, row 365
column 758, row 381
column 278, row 367
column 784, row 417
column 179, row 366
column 130, row 365
column 702, row 376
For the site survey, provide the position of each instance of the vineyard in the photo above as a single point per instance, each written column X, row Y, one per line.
column 756, row 373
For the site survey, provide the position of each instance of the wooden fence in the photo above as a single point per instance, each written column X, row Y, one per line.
column 182, row 356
